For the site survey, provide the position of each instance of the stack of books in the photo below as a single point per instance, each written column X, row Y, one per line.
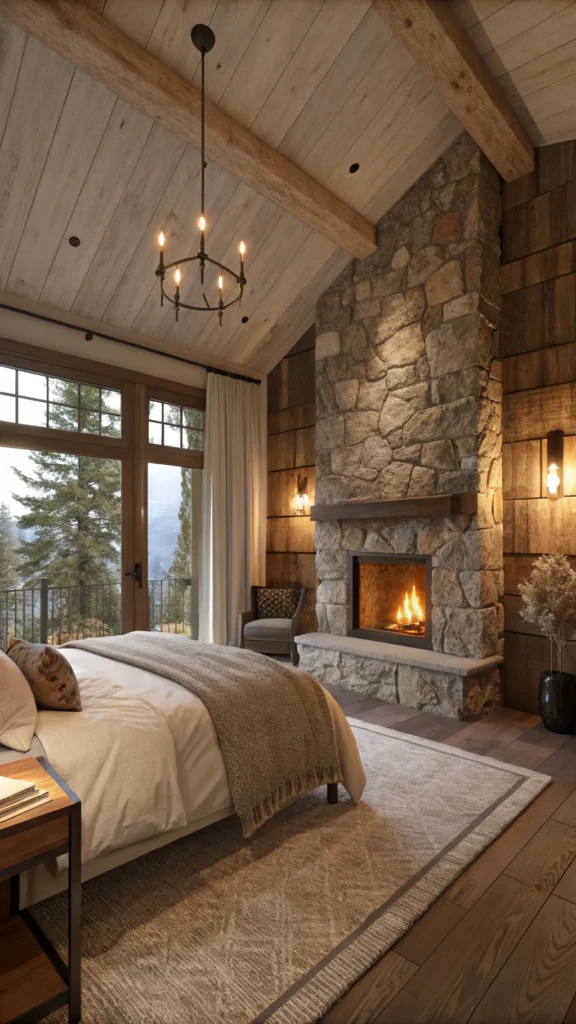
column 18, row 796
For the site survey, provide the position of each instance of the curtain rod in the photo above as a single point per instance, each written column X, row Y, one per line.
column 130, row 344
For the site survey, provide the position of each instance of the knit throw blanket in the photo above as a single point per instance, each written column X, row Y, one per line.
column 272, row 721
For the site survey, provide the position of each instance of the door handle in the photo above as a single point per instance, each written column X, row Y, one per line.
column 136, row 574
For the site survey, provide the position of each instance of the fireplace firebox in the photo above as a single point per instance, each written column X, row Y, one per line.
column 390, row 598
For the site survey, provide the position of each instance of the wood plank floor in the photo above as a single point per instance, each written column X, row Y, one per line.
column 499, row 947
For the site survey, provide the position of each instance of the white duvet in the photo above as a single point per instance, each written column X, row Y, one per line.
column 144, row 758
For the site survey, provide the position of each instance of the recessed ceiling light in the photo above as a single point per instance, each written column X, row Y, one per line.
column 74, row 241
column 353, row 168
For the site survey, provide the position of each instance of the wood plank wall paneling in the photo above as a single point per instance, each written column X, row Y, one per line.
column 545, row 367
column 547, row 220
column 290, row 557
column 538, row 342
column 540, row 316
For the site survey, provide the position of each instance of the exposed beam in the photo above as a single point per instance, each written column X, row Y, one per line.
column 91, row 43
column 442, row 49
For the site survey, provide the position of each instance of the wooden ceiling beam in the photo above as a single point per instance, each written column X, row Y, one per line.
column 93, row 44
column 439, row 45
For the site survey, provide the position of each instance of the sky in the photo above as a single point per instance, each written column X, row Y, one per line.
column 8, row 481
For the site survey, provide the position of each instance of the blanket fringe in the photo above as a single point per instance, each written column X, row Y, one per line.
column 252, row 819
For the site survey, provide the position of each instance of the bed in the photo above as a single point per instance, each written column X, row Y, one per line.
column 144, row 758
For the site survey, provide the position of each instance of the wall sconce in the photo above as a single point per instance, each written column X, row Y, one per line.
column 554, row 460
column 301, row 499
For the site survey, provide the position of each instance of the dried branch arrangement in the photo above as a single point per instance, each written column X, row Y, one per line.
column 549, row 602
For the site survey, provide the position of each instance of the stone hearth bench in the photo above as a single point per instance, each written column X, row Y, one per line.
column 428, row 680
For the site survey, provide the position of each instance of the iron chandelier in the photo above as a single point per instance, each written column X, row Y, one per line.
column 203, row 39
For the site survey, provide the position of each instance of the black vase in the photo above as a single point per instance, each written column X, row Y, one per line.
column 558, row 701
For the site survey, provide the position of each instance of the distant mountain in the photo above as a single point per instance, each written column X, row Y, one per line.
column 163, row 525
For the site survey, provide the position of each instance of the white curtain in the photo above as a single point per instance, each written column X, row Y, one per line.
column 234, row 505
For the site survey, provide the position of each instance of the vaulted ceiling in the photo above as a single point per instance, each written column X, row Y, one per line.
column 326, row 83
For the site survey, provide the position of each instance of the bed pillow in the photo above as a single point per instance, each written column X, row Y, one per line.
column 17, row 707
column 50, row 675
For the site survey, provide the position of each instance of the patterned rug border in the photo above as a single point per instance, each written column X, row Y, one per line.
column 318, row 990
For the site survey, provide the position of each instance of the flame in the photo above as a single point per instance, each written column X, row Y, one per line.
column 410, row 610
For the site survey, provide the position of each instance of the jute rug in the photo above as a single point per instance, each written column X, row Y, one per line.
column 215, row 929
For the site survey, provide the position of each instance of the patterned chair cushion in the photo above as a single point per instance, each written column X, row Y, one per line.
column 272, row 603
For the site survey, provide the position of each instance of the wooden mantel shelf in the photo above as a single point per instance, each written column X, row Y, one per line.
column 431, row 505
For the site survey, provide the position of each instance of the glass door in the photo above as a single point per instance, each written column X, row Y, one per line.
column 60, row 546
column 174, row 531
column 175, row 460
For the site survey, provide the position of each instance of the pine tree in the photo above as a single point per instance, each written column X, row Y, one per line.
column 8, row 553
column 73, row 507
column 180, row 567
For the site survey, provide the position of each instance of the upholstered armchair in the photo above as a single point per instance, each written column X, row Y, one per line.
column 273, row 620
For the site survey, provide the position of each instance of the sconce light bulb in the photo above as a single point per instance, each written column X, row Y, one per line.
column 552, row 478
column 202, row 224
column 161, row 239
column 220, row 282
column 242, row 248
column 177, row 275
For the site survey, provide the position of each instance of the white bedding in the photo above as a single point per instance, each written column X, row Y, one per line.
column 143, row 755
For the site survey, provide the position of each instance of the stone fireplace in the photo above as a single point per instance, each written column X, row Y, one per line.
column 390, row 598
column 408, row 442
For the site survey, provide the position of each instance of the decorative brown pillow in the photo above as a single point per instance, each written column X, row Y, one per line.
column 49, row 674
column 272, row 603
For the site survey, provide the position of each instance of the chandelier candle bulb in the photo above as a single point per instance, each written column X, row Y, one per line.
column 177, row 278
column 220, row 302
column 160, row 270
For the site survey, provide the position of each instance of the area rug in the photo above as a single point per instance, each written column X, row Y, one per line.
column 215, row 929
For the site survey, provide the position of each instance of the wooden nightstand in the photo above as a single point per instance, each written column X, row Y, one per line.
column 34, row 980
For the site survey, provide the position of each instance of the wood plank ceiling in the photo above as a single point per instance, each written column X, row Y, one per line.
column 325, row 82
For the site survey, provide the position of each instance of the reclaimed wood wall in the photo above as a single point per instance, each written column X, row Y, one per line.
column 291, row 451
column 538, row 344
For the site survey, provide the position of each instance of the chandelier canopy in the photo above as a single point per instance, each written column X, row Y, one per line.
column 203, row 39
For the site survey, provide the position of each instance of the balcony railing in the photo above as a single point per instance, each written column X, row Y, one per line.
column 170, row 606
column 54, row 615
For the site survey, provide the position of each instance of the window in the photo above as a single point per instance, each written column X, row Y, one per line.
column 175, row 426
column 39, row 400
column 91, row 463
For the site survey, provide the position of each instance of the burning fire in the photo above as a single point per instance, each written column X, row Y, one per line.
column 410, row 611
